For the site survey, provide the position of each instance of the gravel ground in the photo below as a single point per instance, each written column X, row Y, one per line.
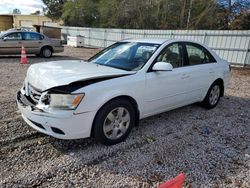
column 212, row 147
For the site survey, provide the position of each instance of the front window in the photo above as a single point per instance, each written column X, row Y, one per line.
column 13, row 36
column 172, row 54
column 130, row 56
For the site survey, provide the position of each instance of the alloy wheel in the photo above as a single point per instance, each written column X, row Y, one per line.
column 116, row 123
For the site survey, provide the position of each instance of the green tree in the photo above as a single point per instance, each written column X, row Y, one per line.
column 54, row 8
column 153, row 14
column 16, row 11
column 36, row 13
column 80, row 13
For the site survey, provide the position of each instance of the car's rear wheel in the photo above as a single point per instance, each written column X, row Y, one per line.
column 114, row 122
column 213, row 96
column 46, row 52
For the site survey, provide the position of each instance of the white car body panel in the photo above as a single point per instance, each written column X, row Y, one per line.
column 154, row 92
column 56, row 73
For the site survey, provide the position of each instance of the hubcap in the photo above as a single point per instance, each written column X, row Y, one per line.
column 47, row 52
column 116, row 123
column 214, row 95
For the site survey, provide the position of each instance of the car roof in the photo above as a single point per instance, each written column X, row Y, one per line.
column 159, row 41
column 20, row 31
column 147, row 40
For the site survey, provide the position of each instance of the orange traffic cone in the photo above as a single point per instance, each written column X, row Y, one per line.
column 176, row 182
column 23, row 56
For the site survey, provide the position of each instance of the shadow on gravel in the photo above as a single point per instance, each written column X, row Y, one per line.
column 65, row 146
column 210, row 146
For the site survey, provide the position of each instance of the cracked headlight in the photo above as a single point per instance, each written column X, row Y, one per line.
column 63, row 101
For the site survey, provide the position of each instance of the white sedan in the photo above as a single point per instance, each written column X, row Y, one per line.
column 130, row 80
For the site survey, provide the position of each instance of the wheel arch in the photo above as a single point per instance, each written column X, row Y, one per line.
column 47, row 46
column 126, row 97
column 221, row 84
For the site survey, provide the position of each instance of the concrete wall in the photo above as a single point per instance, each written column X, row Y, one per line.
column 6, row 22
column 51, row 32
column 29, row 20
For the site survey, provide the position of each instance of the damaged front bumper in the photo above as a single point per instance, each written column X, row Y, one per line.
column 63, row 124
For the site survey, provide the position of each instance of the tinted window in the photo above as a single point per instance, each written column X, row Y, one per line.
column 32, row 36
column 198, row 55
column 172, row 54
column 13, row 36
column 125, row 55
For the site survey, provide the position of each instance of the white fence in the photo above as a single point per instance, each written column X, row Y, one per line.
column 234, row 46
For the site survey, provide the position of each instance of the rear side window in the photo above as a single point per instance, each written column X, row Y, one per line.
column 198, row 55
column 32, row 36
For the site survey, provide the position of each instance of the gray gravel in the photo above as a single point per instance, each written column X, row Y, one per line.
column 212, row 147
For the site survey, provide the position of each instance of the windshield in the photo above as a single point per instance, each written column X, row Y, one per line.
column 2, row 34
column 130, row 56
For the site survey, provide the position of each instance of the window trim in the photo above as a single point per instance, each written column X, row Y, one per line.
column 7, row 34
column 200, row 47
column 182, row 54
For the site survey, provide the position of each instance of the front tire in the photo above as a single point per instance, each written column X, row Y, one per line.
column 213, row 96
column 114, row 122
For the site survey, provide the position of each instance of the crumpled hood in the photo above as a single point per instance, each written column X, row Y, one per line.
column 56, row 73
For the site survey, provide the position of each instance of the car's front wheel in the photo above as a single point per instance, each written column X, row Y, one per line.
column 114, row 122
column 213, row 96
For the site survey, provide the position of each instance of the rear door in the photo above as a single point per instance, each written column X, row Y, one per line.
column 11, row 43
column 200, row 66
column 32, row 42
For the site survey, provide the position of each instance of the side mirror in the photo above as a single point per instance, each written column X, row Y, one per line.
column 4, row 38
column 162, row 66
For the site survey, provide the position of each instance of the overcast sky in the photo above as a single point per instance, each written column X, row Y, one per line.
column 25, row 6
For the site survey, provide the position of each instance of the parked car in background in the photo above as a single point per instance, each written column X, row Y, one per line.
column 34, row 43
column 125, row 82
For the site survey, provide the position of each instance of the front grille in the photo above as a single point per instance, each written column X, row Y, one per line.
column 34, row 93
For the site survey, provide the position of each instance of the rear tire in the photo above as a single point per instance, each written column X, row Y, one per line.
column 114, row 121
column 46, row 52
column 213, row 96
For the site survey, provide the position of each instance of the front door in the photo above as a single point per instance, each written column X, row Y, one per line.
column 166, row 89
column 11, row 43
